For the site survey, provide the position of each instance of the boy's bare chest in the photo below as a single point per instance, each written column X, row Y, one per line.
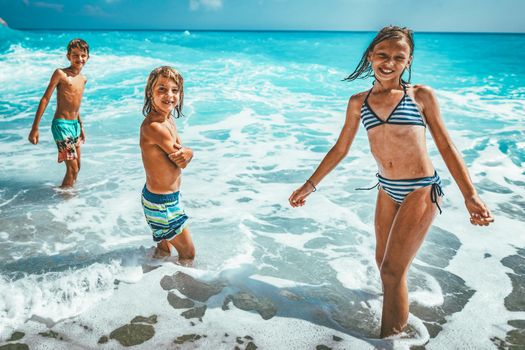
column 72, row 85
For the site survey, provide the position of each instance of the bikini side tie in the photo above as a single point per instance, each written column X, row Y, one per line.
column 370, row 188
column 435, row 193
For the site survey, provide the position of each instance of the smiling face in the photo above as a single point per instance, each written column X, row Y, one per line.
column 164, row 91
column 389, row 59
column 165, row 95
column 77, row 57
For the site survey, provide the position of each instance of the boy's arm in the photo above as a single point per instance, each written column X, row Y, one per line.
column 82, row 134
column 183, row 156
column 34, row 134
column 161, row 137
column 480, row 214
column 334, row 156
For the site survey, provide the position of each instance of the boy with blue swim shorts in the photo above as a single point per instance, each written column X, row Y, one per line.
column 164, row 157
column 66, row 134
column 66, row 126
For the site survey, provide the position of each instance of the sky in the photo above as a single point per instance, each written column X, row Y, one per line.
column 354, row 15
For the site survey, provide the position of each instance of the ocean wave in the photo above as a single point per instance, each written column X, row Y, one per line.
column 56, row 296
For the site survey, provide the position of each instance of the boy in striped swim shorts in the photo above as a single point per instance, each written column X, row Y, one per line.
column 164, row 157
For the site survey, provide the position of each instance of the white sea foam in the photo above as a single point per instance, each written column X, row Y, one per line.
column 149, row 299
column 278, row 282
column 482, row 107
column 18, row 71
column 56, row 296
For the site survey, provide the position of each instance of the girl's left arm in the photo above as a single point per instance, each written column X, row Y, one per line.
column 479, row 212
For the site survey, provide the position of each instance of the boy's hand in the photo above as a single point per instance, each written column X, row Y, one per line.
column 33, row 136
column 479, row 213
column 182, row 156
column 298, row 197
column 82, row 136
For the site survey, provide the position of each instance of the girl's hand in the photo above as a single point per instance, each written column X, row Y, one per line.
column 479, row 213
column 298, row 197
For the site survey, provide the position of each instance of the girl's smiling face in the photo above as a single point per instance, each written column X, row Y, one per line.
column 389, row 59
column 165, row 95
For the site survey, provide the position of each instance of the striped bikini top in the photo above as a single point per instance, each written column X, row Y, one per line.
column 405, row 113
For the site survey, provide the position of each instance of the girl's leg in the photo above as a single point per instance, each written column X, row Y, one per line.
column 413, row 219
column 386, row 210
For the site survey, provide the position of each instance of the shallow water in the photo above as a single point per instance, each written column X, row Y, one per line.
column 261, row 111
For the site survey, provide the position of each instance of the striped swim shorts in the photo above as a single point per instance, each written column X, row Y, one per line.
column 164, row 214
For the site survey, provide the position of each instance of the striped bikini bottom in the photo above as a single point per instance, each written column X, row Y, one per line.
column 399, row 189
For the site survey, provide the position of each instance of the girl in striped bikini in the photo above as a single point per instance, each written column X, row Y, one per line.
column 396, row 116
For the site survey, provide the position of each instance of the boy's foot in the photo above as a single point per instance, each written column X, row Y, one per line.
column 164, row 248
column 186, row 262
column 166, row 251
column 160, row 253
column 65, row 193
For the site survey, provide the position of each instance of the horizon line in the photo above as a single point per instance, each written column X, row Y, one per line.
column 253, row 30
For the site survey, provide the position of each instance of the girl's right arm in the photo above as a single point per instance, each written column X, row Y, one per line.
column 55, row 79
column 334, row 156
column 479, row 212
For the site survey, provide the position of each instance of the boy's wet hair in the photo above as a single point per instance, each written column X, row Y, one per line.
column 78, row 44
column 364, row 68
column 167, row 72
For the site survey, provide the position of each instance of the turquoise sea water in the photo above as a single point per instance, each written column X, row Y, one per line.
column 261, row 110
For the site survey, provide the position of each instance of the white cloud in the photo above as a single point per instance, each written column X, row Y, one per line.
column 96, row 11
column 206, row 4
column 48, row 5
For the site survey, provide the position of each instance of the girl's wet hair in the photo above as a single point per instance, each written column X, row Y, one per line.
column 364, row 68
column 78, row 44
column 167, row 72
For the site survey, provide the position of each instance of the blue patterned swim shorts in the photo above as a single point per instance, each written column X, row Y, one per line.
column 164, row 214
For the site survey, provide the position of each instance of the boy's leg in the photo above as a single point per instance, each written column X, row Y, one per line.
column 184, row 245
column 71, row 173
column 163, row 249
column 413, row 219
column 78, row 157
column 78, row 162
column 386, row 210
